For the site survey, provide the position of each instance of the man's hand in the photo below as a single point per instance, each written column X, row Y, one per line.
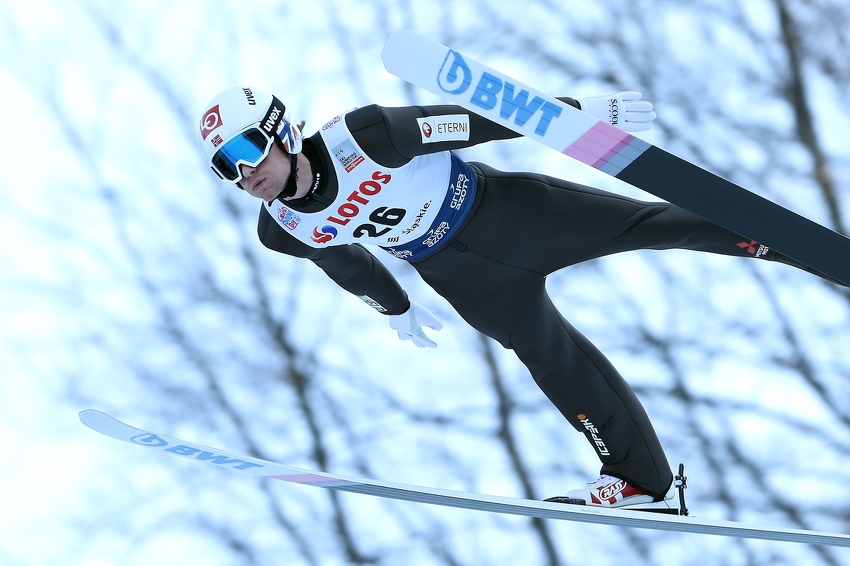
column 624, row 110
column 409, row 325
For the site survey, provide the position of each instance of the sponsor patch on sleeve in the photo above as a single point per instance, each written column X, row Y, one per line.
column 451, row 127
column 372, row 303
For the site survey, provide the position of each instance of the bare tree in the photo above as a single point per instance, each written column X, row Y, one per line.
column 185, row 324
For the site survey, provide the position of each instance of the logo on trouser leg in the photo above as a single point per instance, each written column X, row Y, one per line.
column 594, row 434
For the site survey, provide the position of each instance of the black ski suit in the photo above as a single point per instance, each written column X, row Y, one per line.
column 522, row 227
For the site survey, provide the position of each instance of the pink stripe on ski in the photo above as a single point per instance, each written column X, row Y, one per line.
column 598, row 145
column 310, row 479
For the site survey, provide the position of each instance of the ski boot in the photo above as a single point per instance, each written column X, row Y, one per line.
column 611, row 492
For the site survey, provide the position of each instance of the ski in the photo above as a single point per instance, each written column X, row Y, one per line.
column 245, row 465
column 481, row 89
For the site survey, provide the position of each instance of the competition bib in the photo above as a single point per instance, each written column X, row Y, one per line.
column 409, row 210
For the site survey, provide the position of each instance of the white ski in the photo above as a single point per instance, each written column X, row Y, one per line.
column 109, row 426
column 461, row 80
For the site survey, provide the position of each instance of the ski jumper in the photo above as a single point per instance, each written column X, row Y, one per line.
column 485, row 240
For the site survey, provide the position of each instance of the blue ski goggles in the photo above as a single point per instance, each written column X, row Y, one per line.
column 248, row 147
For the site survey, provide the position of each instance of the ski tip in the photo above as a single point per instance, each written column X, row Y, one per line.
column 107, row 425
column 99, row 421
column 91, row 417
column 398, row 39
column 393, row 50
column 402, row 47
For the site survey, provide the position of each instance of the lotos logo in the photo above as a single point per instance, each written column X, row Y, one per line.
column 349, row 209
column 325, row 235
column 210, row 121
column 455, row 77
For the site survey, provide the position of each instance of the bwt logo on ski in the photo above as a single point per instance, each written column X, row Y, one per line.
column 455, row 77
column 155, row 441
column 149, row 440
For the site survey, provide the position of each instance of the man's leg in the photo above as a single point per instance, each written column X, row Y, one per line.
column 551, row 223
column 510, row 305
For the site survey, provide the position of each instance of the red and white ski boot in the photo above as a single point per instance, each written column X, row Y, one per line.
column 608, row 491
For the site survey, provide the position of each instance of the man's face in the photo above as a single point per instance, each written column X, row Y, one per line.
column 268, row 178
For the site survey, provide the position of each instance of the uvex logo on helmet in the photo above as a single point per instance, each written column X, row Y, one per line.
column 276, row 122
column 271, row 122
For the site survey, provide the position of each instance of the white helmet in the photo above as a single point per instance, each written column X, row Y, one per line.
column 240, row 125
